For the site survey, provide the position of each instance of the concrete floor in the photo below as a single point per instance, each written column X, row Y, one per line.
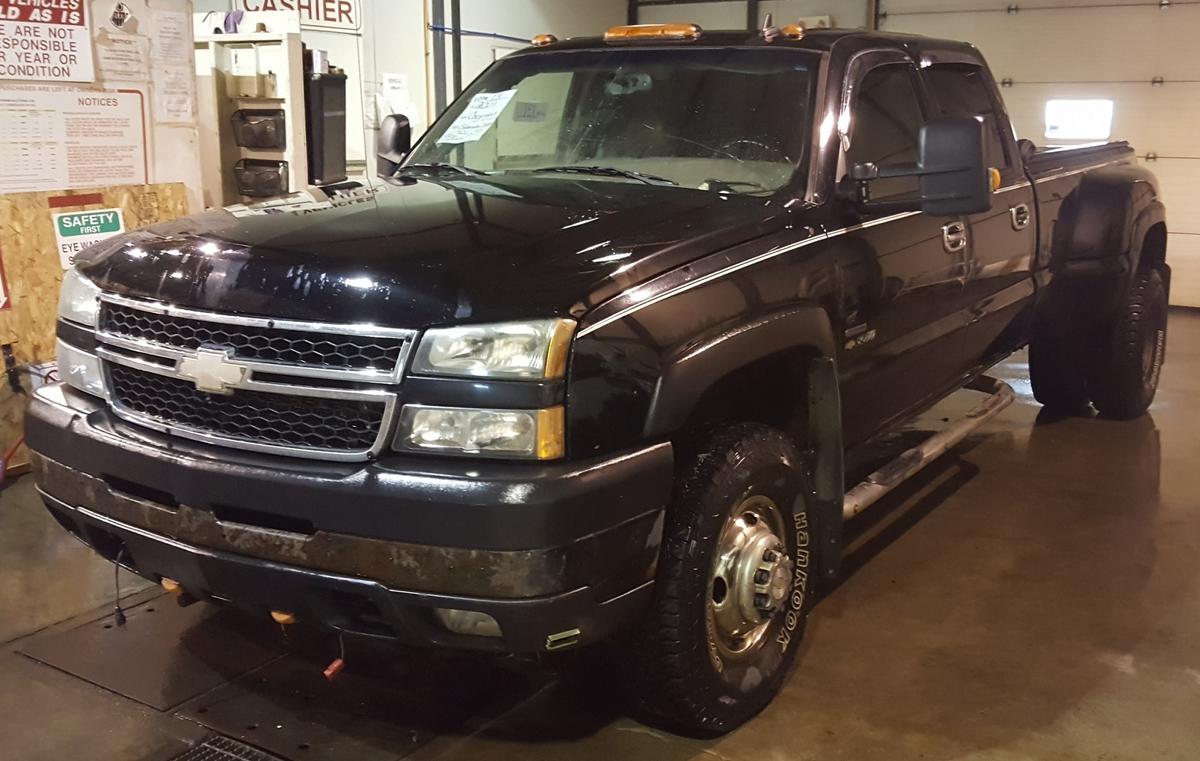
column 1034, row 595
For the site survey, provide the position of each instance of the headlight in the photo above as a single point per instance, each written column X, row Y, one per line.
column 79, row 299
column 80, row 370
column 535, row 434
column 536, row 349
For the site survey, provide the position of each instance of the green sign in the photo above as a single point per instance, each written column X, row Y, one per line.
column 76, row 230
column 74, row 224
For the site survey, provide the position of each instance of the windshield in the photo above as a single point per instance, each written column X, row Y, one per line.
column 719, row 119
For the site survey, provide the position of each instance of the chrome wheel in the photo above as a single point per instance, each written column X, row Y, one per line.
column 750, row 578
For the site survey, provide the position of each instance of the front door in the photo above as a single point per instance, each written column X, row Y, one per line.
column 901, row 275
column 999, row 285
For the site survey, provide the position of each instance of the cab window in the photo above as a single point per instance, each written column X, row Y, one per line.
column 886, row 126
column 961, row 89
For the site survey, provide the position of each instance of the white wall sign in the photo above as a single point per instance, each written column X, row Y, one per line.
column 76, row 230
column 334, row 15
column 123, row 57
column 57, row 138
column 45, row 41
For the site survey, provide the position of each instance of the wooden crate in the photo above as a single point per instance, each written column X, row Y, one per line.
column 33, row 273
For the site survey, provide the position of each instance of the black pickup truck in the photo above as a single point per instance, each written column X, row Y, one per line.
column 585, row 364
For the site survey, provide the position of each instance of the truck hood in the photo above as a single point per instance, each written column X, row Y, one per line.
column 422, row 252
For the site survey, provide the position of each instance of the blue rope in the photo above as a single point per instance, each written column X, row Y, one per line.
column 470, row 33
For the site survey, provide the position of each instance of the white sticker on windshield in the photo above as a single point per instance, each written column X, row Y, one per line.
column 480, row 113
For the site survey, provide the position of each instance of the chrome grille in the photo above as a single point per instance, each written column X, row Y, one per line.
column 316, row 390
column 265, row 342
column 343, row 425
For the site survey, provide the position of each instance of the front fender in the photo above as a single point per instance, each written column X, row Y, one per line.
column 698, row 366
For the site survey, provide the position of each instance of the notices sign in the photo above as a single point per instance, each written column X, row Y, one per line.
column 54, row 138
column 45, row 40
column 76, row 230
column 331, row 15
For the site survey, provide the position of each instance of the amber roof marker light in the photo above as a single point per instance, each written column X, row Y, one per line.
column 637, row 32
column 793, row 31
column 542, row 40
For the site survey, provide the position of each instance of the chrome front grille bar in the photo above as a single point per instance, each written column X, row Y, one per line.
column 369, row 385
column 167, row 351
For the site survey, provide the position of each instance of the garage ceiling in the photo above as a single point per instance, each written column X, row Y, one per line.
column 1115, row 49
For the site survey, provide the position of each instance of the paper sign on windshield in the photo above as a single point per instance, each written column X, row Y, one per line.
column 480, row 113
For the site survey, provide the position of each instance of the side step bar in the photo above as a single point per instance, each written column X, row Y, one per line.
column 908, row 464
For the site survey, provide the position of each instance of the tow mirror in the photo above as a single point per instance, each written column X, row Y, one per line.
column 393, row 142
column 954, row 176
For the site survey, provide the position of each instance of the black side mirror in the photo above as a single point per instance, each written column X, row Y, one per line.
column 954, row 176
column 393, row 142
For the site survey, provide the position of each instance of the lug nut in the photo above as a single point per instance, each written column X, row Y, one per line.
column 761, row 576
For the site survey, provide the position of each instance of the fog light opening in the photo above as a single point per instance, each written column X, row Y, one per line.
column 469, row 622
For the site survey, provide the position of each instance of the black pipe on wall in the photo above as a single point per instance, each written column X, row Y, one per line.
column 456, row 45
column 438, row 17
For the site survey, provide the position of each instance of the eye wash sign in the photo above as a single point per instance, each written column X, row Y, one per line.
column 76, row 230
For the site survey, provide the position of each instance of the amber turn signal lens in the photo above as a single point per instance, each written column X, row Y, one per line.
column 542, row 40
column 551, row 436
column 653, row 32
column 793, row 31
column 558, row 349
column 994, row 173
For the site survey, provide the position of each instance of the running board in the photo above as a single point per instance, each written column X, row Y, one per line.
column 908, row 464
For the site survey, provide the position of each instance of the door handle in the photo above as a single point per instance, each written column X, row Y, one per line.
column 1020, row 216
column 954, row 237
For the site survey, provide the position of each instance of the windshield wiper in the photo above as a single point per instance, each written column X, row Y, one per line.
column 439, row 166
column 607, row 171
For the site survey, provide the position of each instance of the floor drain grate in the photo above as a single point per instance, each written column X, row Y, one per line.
column 221, row 748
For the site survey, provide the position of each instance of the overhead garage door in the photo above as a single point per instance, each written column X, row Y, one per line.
column 1139, row 54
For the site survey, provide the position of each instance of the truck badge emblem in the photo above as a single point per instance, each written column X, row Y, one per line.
column 212, row 371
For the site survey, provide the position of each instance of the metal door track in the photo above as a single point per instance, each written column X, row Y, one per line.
column 911, row 461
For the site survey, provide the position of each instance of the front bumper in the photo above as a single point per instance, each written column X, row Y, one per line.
column 371, row 548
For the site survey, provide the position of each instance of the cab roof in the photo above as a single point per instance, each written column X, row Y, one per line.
column 817, row 40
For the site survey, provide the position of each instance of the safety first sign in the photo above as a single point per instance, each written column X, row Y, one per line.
column 45, row 40
column 76, row 230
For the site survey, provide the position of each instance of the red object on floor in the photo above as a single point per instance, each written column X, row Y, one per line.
column 335, row 668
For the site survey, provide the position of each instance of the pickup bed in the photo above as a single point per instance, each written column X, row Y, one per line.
column 585, row 363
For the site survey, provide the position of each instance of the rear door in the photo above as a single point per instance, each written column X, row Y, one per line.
column 1139, row 56
column 1002, row 254
column 901, row 274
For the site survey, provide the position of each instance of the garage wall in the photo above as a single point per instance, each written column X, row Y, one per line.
column 1045, row 52
column 523, row 19
column 732, row 15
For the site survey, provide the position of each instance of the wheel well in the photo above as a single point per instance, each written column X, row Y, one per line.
column 1154, row 247
column 772, row 390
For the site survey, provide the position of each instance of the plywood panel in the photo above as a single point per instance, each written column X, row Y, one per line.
column 1130, row 43
column 31, row 264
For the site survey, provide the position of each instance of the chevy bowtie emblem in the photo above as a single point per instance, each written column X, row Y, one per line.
column 211, row 370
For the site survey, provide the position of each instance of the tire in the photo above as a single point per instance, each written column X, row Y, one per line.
column 1058, row 373
column 1125, row 367
column 744, row 483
